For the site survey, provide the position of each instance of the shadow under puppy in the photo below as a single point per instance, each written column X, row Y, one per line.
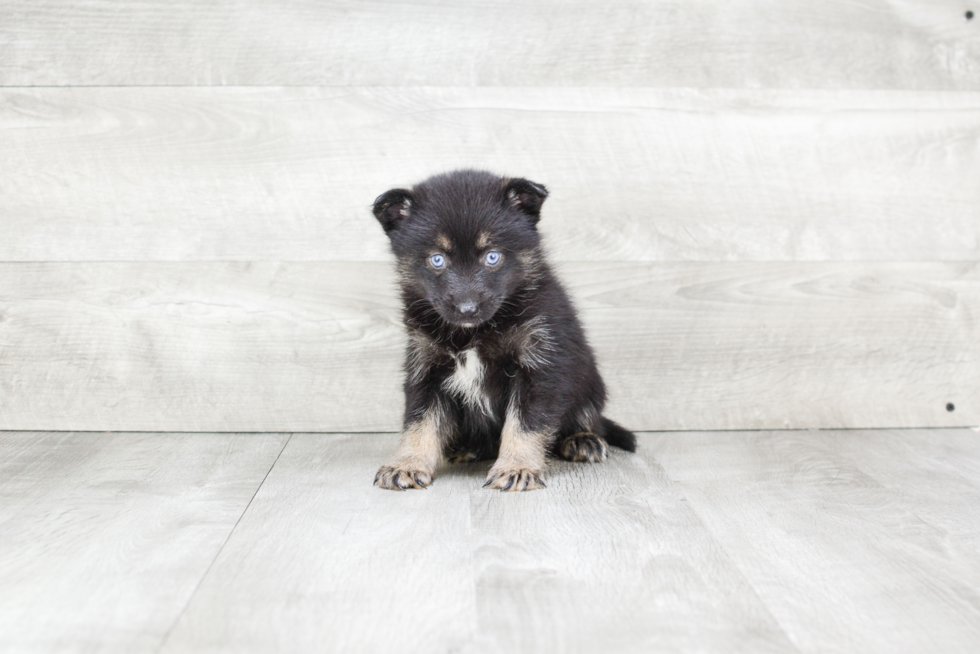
column 497, row 362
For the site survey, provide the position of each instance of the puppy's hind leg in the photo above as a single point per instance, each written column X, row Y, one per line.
column 418, row 454
column 583, row 439
column 583, row 446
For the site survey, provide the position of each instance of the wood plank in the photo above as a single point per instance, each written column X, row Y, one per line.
column 636, row 174
column 786, row 345
column 908, row 463
column 329, row 563
column 904, row 44
column 105, row 537
column 609, row 558
column 608, row 555
column 318, row 346
column 844, row 561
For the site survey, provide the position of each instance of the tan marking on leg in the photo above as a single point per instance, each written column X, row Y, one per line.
column 443, row 241
column 520, row 463
column 415, row 459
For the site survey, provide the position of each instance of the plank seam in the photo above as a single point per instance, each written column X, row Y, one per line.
column 350, row 432
column 555, row 260
column 731, row 560
column 166, row 636
column 723, row 88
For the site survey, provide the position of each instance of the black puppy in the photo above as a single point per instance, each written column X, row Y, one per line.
column 497, row 363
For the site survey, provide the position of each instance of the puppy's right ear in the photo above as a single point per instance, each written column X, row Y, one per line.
column 392, row 207
column 527, row 196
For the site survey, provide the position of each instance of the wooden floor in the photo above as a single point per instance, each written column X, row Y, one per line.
column 819, row 541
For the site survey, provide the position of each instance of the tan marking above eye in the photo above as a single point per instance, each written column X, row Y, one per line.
column 483, row 240
column 443, row 241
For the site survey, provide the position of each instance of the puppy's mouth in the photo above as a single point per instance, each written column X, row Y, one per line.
column 467, row 320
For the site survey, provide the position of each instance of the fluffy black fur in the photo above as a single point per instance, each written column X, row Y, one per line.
column 492, row 338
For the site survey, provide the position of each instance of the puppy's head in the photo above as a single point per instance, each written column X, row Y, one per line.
column 465, row 241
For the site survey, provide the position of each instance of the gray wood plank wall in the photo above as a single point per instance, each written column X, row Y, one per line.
column 303, row 346
column 873, row 44
column 137, row 174
column 768, row 212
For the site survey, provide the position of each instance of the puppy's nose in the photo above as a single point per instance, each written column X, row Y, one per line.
column 466, row 307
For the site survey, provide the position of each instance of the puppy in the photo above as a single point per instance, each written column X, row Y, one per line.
column 497, row 362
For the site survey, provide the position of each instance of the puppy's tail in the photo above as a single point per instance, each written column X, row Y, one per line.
column 615, row 435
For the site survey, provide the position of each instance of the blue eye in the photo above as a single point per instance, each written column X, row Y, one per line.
column 437, row 260
column 493, row 258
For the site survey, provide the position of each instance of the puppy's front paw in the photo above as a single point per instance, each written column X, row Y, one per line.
column 401, row 478
column 514, row 479
column 583, row 446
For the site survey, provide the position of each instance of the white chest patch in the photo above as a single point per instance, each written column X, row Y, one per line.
column 467, row 381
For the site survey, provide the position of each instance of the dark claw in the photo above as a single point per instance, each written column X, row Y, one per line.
column 510, row 482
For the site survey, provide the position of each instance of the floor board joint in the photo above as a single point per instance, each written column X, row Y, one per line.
column 190, row 598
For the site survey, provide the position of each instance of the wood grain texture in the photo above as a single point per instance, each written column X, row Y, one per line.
column 330, row 563
column 855, row 541
column 318, row 346
column 609, row 555
column 608, row 558
column 714, row 542
column 636, row 174
column 105, row 537
column 904, row 44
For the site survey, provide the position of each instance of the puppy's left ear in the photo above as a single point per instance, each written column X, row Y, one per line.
column 392, row 207
column 526, row 196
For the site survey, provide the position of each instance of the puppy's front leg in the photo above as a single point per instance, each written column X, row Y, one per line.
column 520, row 463
column 418, row 453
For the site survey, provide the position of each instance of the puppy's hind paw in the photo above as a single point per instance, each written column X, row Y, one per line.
column 516, row 479
column 462, row 457
column 584, row 447
column 401, row 478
